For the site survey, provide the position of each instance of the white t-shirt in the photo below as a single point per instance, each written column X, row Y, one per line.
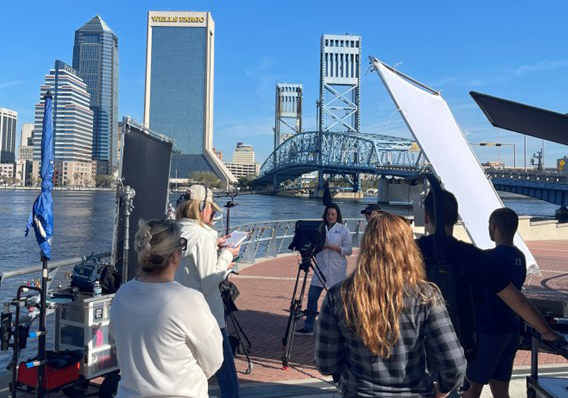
column 167, row 342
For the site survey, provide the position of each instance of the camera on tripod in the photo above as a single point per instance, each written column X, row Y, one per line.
column 309, row 239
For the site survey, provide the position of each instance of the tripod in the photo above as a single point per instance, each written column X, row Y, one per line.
column 308, row 261
column 230, row 306
column 228, row 290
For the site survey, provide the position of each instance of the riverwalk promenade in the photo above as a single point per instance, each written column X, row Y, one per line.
column 265, row 293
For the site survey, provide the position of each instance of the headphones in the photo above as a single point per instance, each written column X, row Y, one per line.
column 187, row 196
column 203, row 205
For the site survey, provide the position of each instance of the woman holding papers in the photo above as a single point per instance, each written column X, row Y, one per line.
column 203, row 267
column 332, row 262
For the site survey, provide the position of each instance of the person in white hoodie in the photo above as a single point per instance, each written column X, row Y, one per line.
column 161, row 350
column 204, row 266
column 332, row 262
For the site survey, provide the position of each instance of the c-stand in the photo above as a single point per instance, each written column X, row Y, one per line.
column 228, row 206
column 230, row 307
column 307, row 261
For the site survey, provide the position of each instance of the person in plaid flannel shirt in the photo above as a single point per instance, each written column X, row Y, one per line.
column 376, row 327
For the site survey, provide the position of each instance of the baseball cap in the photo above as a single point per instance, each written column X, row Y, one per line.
column 197, row 192
column 371, row 208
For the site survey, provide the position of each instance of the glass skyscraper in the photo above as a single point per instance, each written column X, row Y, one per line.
column 8, row 121
column 179, row 89
column 72, row 125
column 95, row 57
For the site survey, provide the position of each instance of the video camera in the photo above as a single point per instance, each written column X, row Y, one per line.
column 309, row 238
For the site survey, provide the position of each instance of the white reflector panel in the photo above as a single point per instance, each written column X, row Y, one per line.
column 432, row 124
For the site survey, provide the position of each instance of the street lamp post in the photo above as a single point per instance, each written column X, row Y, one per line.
column 525, row 153
column 502, row 144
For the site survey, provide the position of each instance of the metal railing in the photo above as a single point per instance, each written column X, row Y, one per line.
column 267, row 239
column 30, row 269
column 270, row 238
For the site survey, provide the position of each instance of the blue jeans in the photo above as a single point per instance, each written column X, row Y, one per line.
column 313, row 296
column 227, row 374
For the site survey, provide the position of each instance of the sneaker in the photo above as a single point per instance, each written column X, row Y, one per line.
column 304, row 332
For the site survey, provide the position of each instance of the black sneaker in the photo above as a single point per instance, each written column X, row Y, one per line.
column 304, row 332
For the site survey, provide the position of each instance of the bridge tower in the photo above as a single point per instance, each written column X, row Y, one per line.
column 288, row 112
column 340, row 82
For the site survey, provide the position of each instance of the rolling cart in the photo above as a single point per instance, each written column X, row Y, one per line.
column 81, row 326
column 545, row 387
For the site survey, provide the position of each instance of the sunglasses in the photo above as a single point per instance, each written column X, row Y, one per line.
column 408, row 221
column 183, row 244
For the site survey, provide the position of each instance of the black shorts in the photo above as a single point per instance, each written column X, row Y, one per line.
column 495, row 356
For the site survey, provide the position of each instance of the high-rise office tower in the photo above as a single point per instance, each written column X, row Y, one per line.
column 72, row 126
column 243, row 153
column 8, row 122
column 26, row 149
column 178, row 100
column 26, row 153
column 95, row 58
column 243, row 164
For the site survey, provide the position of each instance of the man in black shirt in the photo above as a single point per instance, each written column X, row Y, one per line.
column 475, row 271
column 497, row 325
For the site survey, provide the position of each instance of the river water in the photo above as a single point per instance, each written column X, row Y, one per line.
column 83, row 223
column 83, row 220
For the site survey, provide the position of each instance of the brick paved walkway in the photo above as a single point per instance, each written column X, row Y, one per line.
column 266, row 289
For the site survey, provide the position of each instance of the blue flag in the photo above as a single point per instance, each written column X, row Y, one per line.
column 41, row 217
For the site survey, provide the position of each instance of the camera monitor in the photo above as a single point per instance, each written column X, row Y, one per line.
column 308, row 236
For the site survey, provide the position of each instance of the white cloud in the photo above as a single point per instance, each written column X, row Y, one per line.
column 265, row 87
column 442, row 82
column 541, row 66
column 499, row 75
column 11, row 83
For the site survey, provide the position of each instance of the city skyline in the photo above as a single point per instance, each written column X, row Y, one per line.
column 513, row 52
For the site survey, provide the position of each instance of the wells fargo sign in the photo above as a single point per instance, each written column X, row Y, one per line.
column 179, row 19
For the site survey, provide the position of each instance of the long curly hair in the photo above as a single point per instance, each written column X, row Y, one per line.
column 389, row 268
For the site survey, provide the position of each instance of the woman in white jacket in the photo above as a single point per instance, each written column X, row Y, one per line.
column 204, row 266
column 332, row 262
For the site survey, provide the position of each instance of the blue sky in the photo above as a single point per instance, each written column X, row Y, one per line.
column 516, row 50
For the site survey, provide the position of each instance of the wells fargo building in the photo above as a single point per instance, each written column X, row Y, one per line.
column 179, row 89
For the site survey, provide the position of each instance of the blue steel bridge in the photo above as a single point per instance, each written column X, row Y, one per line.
column 350, row 154
column 338, row 153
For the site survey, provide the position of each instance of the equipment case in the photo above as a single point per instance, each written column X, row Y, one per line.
column 84, row 324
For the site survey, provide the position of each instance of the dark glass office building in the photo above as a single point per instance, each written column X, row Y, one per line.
column 179, row 89
column 95, row 57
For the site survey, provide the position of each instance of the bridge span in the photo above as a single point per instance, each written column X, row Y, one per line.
column 351, row 154
column 339, row 153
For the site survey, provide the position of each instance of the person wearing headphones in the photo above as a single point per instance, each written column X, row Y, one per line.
column 204, row 266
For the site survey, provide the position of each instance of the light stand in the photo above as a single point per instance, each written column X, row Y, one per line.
column 307, row 261
column 228, row 206
column 127, row 197
column 42, row 328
